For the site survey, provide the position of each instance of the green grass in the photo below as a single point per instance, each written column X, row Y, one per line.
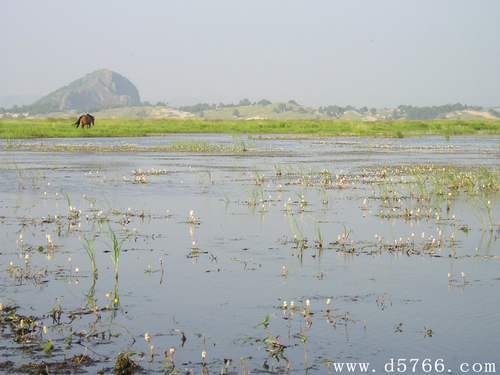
column 137, row 127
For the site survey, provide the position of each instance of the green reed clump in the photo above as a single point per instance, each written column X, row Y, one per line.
column 302, row 243
column 19, row 175
column 489, row 214
column 115, row 249
column 65, row 194
column 89, row 248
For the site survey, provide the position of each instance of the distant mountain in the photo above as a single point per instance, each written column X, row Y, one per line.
column 98, row 90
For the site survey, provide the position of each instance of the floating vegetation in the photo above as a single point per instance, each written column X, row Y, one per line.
column 177, row 146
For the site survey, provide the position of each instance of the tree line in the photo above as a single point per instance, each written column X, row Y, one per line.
column 47, row 107
column 427, row 113
column 407, row 112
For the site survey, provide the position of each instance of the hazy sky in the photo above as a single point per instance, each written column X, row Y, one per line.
column 378, row 53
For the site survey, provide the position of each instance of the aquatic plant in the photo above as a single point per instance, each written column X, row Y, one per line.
column 89, row 248
column 19, row 175
column 125, row 365
column 240, row 144
column 304, row 339
column 115, row 248
column 203, row 357
column 147, row 337
column 489, row 213
column 302, row 244
column 274, row 347
column 345, row 236
column 49, row 345
column 65, row 193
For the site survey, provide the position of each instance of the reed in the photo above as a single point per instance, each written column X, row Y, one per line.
column 88, row 245
column 296, row 229
column 20, row 176
column 115, row 249
column 65, row 194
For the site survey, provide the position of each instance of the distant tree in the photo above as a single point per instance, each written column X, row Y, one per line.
column 141, row 113
column 364, row 109
column 201, row 114
column 281, row 107
column 160, row 104
column 395, row 115
column 146, row 103
column 222, row 105
column 264, row 102
column 245, row 102
column 236, row 113
column 292, row 102
column 427, row 113
column 302, row 110
column 334, row 110
column 195, row 108
column 373, row 111
column 493, row 113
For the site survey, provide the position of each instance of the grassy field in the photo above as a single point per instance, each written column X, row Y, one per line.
column 136, row 127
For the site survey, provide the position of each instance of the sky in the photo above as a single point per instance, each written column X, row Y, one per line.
column 374, row 53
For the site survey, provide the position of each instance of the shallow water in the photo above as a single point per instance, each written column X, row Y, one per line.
column 237, row 261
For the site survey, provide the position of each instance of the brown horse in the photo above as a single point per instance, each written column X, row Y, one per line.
column 84, row 120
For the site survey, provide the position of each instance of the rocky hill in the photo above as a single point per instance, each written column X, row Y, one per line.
column 97, row 90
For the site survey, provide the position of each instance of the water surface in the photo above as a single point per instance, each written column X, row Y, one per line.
column 251, row 245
